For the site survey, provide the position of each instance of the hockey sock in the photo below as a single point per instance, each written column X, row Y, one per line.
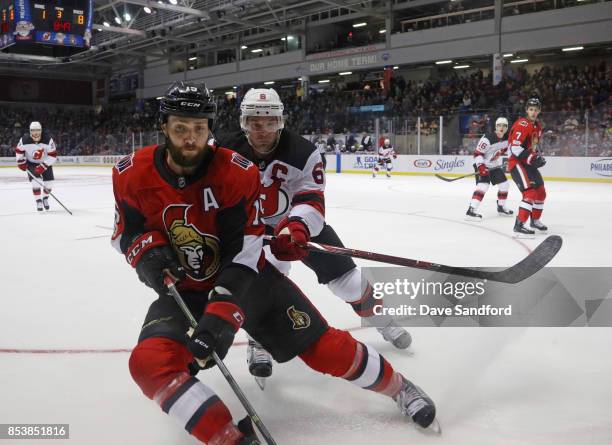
column 525, row 209
column 348, row 288
column 36, row 193
column 337, row 353
column 502, row 193
column 479, row 193
column 47, row 189
column 159, row 366
column 538, row 203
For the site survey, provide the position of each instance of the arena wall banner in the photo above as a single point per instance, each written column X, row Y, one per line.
column 587, row 169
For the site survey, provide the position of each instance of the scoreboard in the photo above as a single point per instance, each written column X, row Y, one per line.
column 48, row 22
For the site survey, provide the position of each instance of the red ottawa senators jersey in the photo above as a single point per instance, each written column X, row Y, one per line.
column 292, row 180
column 523, row 139
column 211, row 219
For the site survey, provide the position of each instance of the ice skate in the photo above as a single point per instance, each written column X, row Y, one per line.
column 537, row 224
column 414, row 403
column 471, row 215
column 260, row 363
column 397, row 336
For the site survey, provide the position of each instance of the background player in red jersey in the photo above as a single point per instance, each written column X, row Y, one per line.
column 293, row 207
column 524, row 161
column 192, row 210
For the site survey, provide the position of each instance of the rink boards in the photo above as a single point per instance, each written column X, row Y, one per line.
column 581, row 169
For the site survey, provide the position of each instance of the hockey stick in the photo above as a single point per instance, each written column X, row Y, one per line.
column 226, row 373
column 50, row 193
column 525, row 268
column 453, row 179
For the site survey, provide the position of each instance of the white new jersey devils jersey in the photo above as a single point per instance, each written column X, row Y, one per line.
column 39, row 152
column 490, row 150
column 385, row 152
column 292, row 182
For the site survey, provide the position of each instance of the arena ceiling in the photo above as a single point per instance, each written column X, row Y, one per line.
column 128, row 33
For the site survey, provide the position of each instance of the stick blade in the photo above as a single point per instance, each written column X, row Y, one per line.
column 443, row 178
column 532, row 263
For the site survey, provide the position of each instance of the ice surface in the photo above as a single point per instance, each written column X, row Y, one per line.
column 64, row 287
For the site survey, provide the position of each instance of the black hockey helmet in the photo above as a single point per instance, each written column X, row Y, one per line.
column 534, row 102
column 189, row 100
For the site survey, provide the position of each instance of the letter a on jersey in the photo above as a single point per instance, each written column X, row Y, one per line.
column 209, row 200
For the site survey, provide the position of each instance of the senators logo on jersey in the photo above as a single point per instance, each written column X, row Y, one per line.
column 198, row 252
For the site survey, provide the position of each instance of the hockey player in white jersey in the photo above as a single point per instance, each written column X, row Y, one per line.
column 36, row 153
column 293, row 209
column 488, row 165
column 385, row 153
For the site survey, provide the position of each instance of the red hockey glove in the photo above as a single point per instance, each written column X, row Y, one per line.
column 291, row 238
column 536, row 160
column 40, row 169
column 22, row 165
column 483, row 170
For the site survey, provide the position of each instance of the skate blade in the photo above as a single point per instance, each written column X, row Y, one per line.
column 261, row 382
column 507, row 215
column 472, row 219
column 432, row 430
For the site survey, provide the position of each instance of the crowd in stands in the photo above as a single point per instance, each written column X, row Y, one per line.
column 575, row 99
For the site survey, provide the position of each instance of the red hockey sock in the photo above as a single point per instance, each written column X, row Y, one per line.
column 524, row 211
column 337, row 353
column 159, row 367
column 538, row 208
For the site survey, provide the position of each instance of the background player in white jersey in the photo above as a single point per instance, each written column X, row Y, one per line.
column 385, row 153
column 322, row 147
column 293, row 209
column 488, row 164
column 36, row 153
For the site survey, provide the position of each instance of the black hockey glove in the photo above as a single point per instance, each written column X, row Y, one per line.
column 216, row 328
column 151, row 256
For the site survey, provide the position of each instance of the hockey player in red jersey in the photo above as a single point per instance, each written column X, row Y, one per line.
column 36, row 153
column 293, row 206
column 192, row 210
column 524, row 161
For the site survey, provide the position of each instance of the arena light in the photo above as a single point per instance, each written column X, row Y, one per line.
column 258, row 50
column 299, row 78
column 173, row 2
column 127, row 16
column 243, row 47
column 106, row 24
column 345, row 73
column 443, row 62
column 269, row 82
column 117, row 20
column 290, row 37
column 359, row 25
column 235, row 87
column 382, row 31
column 283, row 38
column 460, row 67
column 573, row 48
column 508, row 55
column 193, row 58
column 324, row 81
column 147, row 9
column 396, row 67
column 519, row 61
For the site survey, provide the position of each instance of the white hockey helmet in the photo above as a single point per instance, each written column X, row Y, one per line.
column 501, row 121
column 35, row 126
column 261, row 102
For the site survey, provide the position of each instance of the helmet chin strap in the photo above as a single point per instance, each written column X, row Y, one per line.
column 269, row 150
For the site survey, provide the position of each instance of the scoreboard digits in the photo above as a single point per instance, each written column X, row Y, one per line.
column 52, row 22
